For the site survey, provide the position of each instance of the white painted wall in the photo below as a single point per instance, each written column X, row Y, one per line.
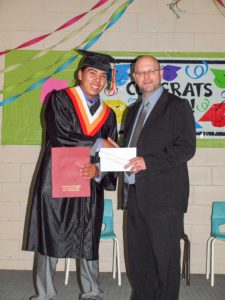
column 147, row 25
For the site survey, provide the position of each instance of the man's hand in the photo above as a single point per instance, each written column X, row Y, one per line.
column 89, row 171
column 136, row 165
column 111, row 143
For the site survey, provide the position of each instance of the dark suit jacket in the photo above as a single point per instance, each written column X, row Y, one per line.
column 167, row 141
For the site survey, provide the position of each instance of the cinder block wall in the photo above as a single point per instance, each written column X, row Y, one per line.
column 147, row 25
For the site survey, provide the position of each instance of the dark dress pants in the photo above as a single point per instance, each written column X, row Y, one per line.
column 153, row 250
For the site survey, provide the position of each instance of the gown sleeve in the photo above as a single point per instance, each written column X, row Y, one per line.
column 110, row 179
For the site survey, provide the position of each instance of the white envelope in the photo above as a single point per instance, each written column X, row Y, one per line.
column 114, row 159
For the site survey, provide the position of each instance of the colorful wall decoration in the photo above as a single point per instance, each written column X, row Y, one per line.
column 199, row 77
column 66, row 59
column 30, row 75
column 175, row 8
column 220, row 4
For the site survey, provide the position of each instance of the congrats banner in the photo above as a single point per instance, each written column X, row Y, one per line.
column 198, row 77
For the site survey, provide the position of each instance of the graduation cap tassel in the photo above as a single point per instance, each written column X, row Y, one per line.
column 111, row 89
column 113, row 80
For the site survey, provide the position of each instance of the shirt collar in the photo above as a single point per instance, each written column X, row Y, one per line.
column 91, row 101
column 154, row 97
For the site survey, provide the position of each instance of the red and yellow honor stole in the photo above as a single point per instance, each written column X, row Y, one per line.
column 89, row 124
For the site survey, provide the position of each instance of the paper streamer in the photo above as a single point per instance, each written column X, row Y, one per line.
column 91, row 39
column 69, row 36
column 48, row 50
column 65, row 25
column 42, row 73
column 220, row 4
column 174, row 7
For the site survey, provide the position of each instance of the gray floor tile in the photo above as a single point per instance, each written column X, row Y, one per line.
column 17, row 285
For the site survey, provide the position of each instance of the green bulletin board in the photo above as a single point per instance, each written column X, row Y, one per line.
column 198, row 77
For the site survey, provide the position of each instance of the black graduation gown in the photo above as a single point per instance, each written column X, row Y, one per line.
column 67, row 227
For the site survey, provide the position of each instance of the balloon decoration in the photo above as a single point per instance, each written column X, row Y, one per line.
column 175, row 9
column 220, row 4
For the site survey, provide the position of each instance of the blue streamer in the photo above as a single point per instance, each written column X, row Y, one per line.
column 92, row 42
column 67, row 63
column 114, row 20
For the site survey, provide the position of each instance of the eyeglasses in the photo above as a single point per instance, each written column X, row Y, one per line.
column 147, row 72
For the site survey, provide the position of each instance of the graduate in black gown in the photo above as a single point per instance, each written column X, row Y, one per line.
column 71, row 227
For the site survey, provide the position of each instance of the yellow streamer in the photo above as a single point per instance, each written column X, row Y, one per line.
column 65, row 39
column 69, row 54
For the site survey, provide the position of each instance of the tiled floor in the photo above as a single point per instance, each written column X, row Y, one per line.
column 17, row 285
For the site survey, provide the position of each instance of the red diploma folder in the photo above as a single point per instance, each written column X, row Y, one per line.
column 66, row 179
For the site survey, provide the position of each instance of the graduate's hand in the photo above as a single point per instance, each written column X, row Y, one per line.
column 89, row 171
column 112, row 143
column 136, row 165
column 109, row 143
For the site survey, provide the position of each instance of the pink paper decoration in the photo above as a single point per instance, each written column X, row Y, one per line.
column 52, row 84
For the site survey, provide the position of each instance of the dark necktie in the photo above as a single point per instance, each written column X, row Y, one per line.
column 139, row 125
column 94, row 105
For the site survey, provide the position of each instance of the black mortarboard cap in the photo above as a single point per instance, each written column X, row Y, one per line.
column 103, row 62
column 100, row 61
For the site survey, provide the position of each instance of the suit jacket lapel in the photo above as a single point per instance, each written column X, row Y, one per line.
column 153, row 115
column 156, row 110
column 130, row 121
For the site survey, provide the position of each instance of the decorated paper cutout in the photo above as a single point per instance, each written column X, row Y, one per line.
column 24, row 115
column 119, row 107
column 219, row 77
column 122, row 75
column 203, row 106
column 199, row 70
column 197, row 125
column 170, row 72
column 52, row 84
column 215, row 114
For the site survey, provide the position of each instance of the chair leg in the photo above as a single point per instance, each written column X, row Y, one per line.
column 212, row 261
column 114, row 258
column 118, row 261
column 208, row 256
column 67, row 269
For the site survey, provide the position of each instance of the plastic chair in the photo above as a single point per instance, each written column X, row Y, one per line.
column 107, row 233
column 217, row 219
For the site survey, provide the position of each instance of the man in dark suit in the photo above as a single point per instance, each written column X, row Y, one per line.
column 158, row 183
